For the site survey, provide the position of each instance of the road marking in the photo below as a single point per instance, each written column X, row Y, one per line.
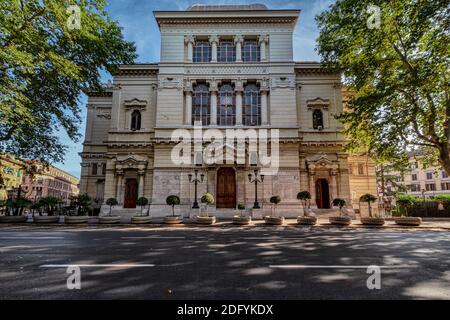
column 31, row 238
column 305, row 266
column 126, row 265
column 153, row 237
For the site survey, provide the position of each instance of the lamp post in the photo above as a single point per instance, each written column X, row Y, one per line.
column 256, row 179
column 195, row 180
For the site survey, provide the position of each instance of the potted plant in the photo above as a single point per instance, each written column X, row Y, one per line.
column 341, row 220
column 141, row 218
column 207, row 199
column 173, row 219
column 241, row 219
column 404, row 202
column 308, row 217
column 50, row 205
column 15, row 211
column 370, row 220
column 110, row 218
column 273, row 219
column 82, row 205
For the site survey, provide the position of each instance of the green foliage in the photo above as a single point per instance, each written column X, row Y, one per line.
column 402, row 197
column 173, row 201
column 368, row 198
column 44, row 68
column 241, row 206
column 444, row 197
column 339, row 202
column 397, row 74
column 50, row 204
column 82, row 202
column 208, row 198
column 275, row 199
column 304, row 195
column 142, row 201
column 112, row 202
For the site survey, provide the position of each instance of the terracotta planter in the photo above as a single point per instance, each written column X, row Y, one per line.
column 141, row 219
column 372, row 221
column 306, row 220
column 173, row 220
column 408, row 221
column 340, row 221
column 274, row 221
column 242, row 220
column 75, row 219
column 46, row 219
column 13, row 219
column 205, row 220
column 109, row 219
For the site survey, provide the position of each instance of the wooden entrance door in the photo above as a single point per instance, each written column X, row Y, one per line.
column 226, row 188
column 131, row 193
column 322, row 194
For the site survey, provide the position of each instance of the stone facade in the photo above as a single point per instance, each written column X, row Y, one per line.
column 224, row 68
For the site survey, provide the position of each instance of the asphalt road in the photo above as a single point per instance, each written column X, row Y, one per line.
column 218, row 263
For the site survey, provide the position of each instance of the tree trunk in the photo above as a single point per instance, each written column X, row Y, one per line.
column 444, row 157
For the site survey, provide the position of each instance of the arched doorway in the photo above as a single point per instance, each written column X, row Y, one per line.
column 322, row 194
column 131, row 193
column 226, row 188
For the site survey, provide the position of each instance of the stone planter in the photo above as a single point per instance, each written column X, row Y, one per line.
column 340, row 221
column 141, row 219
column 241, row 220
column 173, row 220
column 274, row 221
column 108, row 219
column 408, row 221
column 372, row 221
column 13, row 219
column 75, row 219
column 46, row 219
column 205, row 220
column 306, row 220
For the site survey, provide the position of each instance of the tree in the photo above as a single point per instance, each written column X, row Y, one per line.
column 82, row 202
column 368, row 198
column 304, row 197
column 405, row 201
column 111, row 202
column 207, row 199
column 47, row 59
column 142, row 202
column 275, row 200
column 398, row 72
column 173, row 201
column 339, row 202
column 241, row 208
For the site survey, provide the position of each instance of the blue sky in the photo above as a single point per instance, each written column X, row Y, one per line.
column 136, row 18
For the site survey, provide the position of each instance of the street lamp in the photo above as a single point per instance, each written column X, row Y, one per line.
column 195, row 181
column 255, row 179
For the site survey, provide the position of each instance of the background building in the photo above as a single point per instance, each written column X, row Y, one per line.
column 11, row 175
column 224, row 67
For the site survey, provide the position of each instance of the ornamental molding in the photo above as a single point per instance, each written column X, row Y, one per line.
column 106, row 116
column 225, row 20
column 170, row 83
column 135, row 103
column 318, row 103
column 283, row 82
column 226, row 70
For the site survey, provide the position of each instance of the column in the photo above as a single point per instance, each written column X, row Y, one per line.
column 189, row 40
column 188, row 107
column 312, row 189
column 333, row 191
column 262, row 47
column 239, row 106
column 141, row 174
column 116, row 102
column 119, row 187
column 213, row 107
column 264, row 119
column 238, row 42
column 214, row 40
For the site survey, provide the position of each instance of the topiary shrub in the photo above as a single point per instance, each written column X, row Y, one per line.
column 111, row 202
column 275, row 200
column 369, row 198
column 241, row 208
column 207, row 199
column 142, row 202
column 173, row 201
column 304, row 197
column 339, row 202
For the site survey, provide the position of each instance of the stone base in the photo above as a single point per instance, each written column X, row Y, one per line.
column 408, row 221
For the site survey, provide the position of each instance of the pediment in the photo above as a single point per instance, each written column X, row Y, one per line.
column 318, row 102
column 135, row 102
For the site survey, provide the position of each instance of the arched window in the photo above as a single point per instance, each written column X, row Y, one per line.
column 136, row 120
column 226, row 109
column 227, row 51
column 94, row 169
column 202, row 51
column 252, row 106
column 250, row 51
column 201, row 105
column 318, row 119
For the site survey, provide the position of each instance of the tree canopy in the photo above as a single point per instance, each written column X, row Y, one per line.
column 395, row 59
column 50, row 52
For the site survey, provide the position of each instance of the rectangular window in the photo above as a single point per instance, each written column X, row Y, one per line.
column 445, row 186
column 226, row 52
column 252, row 106
column 444, row 175
column 202, row 51
column 430, row 187
column 94, row 169
column 104, row 169
column 415, row 187
column 429, row 175
column 250, row 51
column 414, row 177
column 360, row 168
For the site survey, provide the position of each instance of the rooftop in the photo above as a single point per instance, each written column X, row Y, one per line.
column 249, row 7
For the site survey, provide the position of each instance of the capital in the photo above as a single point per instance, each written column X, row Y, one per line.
column 214, row 39
column 263, row 38
column 238, row 39
column 189, row 39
